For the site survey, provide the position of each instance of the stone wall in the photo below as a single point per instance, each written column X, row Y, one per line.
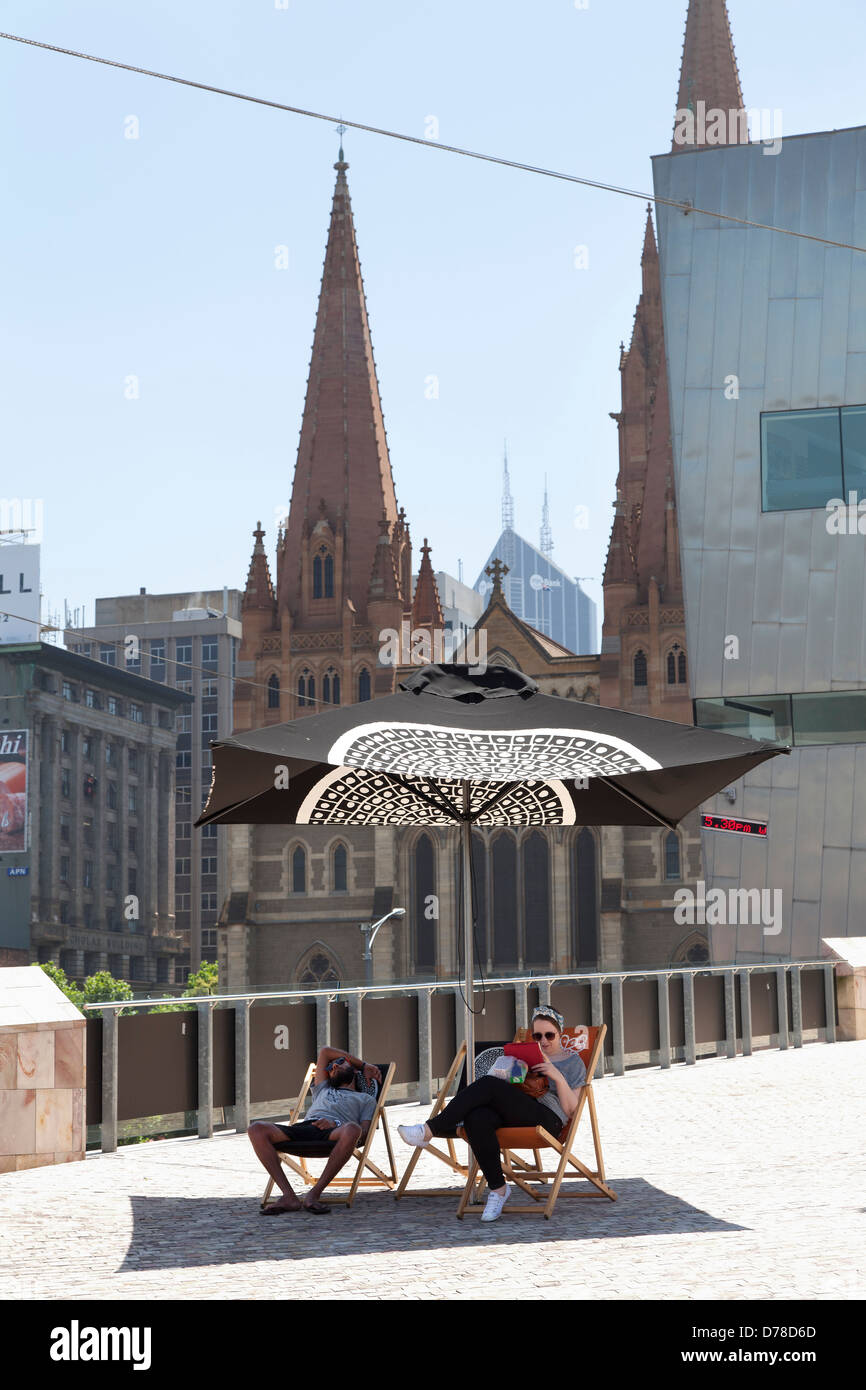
column 42, row 1072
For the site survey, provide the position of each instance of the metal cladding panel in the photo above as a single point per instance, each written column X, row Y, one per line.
column 857, row 877
column 857, row 302
column 834, row 892
column 765, row 658
column 738, row 622
column 780, row 862
column 779, row 366
column 796, row 544
column 848, row 611
column 839, row 800
column 833, row 344
column 810, row 816
column 855, row 378
column 860, row 164
column 692, row 483
column 787, row 212
column 710, row 654
column 819, row 630
column 804, row 916
column 807, row 338
column 792, row 656
column 702, row 306
column 823, row 552
column 755, row 310
column 768, row 570
column 858, row 808
column 719, row 489
column 746, row 494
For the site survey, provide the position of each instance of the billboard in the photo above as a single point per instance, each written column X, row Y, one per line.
column 19, row 593
column 13, row 791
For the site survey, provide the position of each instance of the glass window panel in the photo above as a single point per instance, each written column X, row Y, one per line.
column 747, row 716
column 836, row 716
column 801, row 464
column 854, row 450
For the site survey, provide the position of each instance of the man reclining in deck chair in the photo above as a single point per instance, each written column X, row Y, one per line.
column 339, row 1113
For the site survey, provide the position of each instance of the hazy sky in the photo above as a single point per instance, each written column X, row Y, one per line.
column 155, row 258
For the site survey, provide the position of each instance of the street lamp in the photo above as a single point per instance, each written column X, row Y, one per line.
column 370, row 929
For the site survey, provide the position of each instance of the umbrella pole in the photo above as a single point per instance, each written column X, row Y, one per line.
column 468, row 934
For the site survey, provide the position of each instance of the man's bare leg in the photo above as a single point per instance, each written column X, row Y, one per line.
column 263, row 1136
column 344, row 1139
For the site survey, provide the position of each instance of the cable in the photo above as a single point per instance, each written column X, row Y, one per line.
column 685, row 207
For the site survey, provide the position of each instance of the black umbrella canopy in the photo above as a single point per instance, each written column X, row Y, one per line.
column 452, row 746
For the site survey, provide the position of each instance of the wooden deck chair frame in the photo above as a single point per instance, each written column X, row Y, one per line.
column 450, row 1158
column 298, row 1162
column 523, row 1174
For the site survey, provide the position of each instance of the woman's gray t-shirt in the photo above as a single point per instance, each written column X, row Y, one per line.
column 574, row 1071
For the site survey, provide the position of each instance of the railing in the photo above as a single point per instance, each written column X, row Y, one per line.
column 614, row 997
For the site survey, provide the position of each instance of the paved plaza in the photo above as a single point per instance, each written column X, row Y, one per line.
column 736, row 1179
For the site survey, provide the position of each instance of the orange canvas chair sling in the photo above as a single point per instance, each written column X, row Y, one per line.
column 301, row 1152
column 532, row 1177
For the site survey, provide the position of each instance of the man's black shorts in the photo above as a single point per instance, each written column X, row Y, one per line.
column 304, row 1132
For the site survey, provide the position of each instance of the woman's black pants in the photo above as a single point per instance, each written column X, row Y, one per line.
column 484, row 1107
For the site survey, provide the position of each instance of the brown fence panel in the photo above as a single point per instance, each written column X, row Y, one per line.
column 812, row 990
column 223, row 1056
column 282, row 1046
column 338, row 1020
column 498, row 1019
column 157, row 1064
column 640, row 1010
column 677, row 1015
column 765, row 1011
column 93, row 1058
column 573, row 1002
column 709, row 1008
column 390, row 1033
column 443, row 1024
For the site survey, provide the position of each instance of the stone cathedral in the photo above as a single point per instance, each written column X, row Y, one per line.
column 563, row 899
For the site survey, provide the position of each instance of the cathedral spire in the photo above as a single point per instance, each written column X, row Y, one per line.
column 426, row 607
column 709, row 76
column 259, row 592
column 343, row 450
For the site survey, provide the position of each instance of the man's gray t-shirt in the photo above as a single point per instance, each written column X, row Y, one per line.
column 342, row 1106
column 574, row 1071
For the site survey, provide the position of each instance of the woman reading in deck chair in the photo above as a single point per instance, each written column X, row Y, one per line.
column 491, row 1104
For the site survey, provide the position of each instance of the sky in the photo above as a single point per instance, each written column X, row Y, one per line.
column 157, row 335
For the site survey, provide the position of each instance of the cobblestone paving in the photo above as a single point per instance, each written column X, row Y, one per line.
column 736, row 1179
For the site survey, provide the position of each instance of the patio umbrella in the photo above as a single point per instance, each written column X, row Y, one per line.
column 463, row 749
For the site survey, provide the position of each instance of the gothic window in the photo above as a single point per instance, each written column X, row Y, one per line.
column 681, row 668
column 505, row 901
column 329, row 576
column 672, row 856
column 640, row 677
column 323, row 574
column 585, row 899
column 672, row 669
column 299, row 870
column 340, row 862
column 331, row 687
column 317, row 969
column 317, row 576
column 306, row 688
column 426, row 923
column 676, row 665
column 536, row 900
column 691, row 951
column 364, row 685
column 273, row 692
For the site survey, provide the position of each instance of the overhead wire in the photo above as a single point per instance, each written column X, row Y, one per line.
column 686, row 206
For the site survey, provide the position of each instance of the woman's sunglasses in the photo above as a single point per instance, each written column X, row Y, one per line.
column 538, row 1036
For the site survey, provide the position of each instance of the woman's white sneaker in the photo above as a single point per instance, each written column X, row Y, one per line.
column 414, row 1135
column 495, row 1202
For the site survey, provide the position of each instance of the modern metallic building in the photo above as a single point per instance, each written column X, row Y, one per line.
column 766, row 354
column 542, row 594
column 189, row 641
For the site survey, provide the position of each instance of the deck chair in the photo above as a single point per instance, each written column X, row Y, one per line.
column 295, row 1157
column 449, row 1158
column 532, row 1177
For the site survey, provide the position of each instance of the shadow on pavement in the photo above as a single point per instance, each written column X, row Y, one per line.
column 187, row 1232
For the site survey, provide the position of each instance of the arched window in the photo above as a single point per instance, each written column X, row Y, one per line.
column 681, row 668
column 426, row 920
column 306, row 688
column 364, row 685
column 340, row 861
column 505, row 902
column 299, row 870
column 331, row 687
column 317, row 576
column 672, row 856
column 640, row 668
column 273, row 692
column 329, row 576
column 536, row 900
column 672, row 669
column 585, row 899
column 317, row 968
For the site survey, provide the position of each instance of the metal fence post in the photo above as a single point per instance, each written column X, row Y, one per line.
column 617, row 1028
column 109, row 1081
column 746, row 1010
column 730, row 1016
column 242, row 1065
column 829, row 1003
column 597, row 1012
column 356, row 1026
column 689, row 1015
column 664, row 1021
column 521, row 1006
column 205, row 1069
column 323, row 1021
column 425, row 1047
column 782, row 1008
column 796, row 1007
